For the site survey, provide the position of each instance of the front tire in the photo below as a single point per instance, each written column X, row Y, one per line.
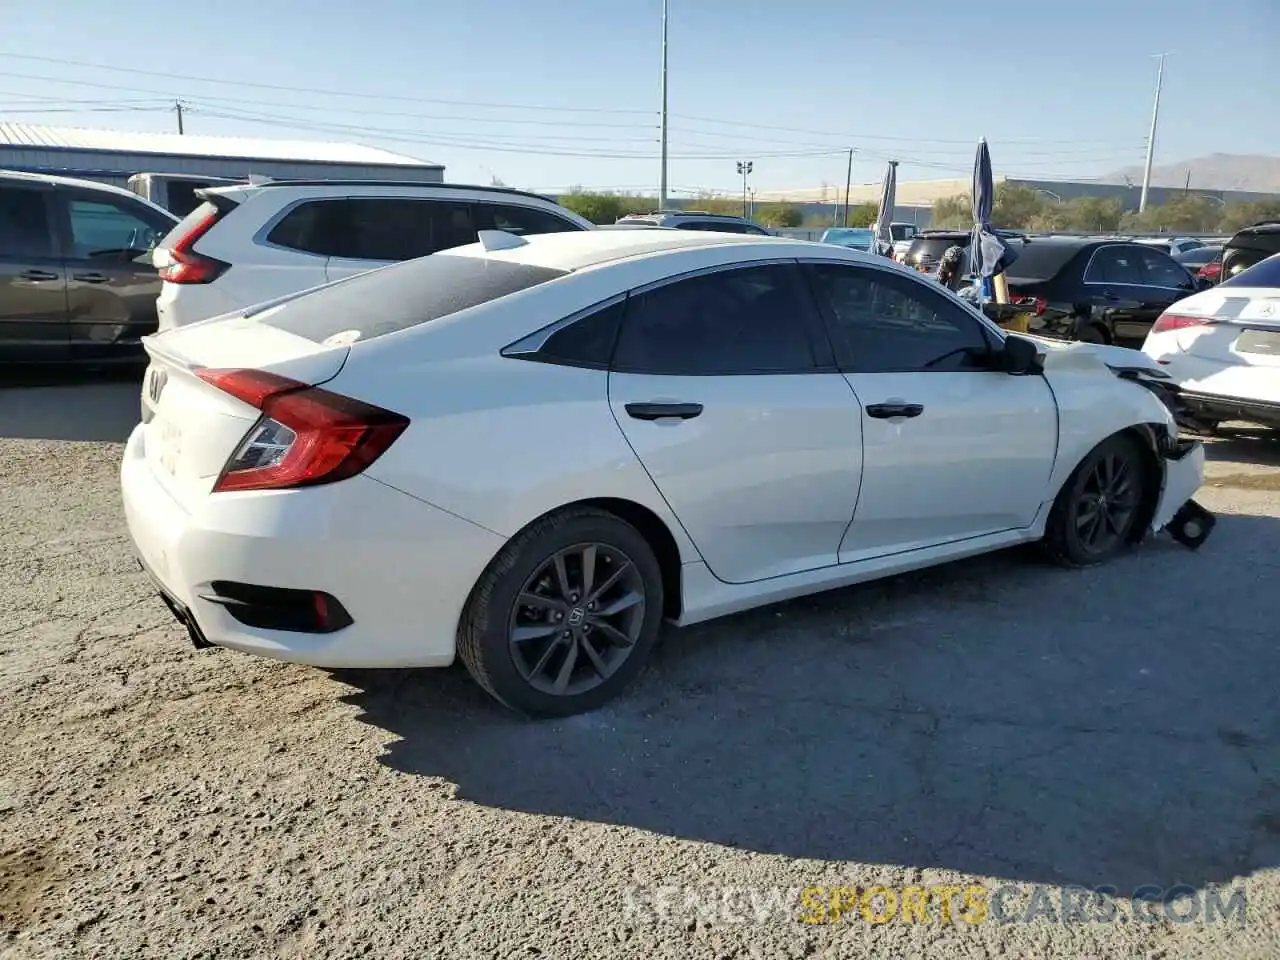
column 564, row 617
column 1097, row 511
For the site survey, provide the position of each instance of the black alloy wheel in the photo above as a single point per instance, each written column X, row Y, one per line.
column 1096, row 515
column 577, row 619
column 565, row 615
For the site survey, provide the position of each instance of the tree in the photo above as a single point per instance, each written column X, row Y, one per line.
column 604, row 207
column 779, row 215
column 1192, row 213
column 1100, row 214
column 952, row 212
column 863, row 214
column 1015, row 206
column 1238, row 215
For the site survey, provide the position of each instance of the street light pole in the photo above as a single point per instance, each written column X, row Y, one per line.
column 1151, row 137
column 662, row 183
column 744, row 168
column 848, row 183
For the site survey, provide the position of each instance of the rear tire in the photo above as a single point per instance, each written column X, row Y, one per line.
column 1095, row 515
column 564, row 617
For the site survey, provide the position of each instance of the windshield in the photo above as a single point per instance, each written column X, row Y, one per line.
column 849, row 236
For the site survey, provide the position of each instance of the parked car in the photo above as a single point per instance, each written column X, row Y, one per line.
column 855, row 238
column 1100, row 291
column 1250, row 245
column 530, row 451
column 256, row 241
column 927, row 247
column 696, row 220
column 76, row 279
column 1197, row 257
column 1171, row 245
column 1222, row 348
column 1211, row 272
column 176, row 192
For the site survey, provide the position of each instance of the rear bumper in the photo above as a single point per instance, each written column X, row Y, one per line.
column 1207, row 406
column 402, row 568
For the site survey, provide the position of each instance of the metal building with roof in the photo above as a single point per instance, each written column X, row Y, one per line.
column 112, row 156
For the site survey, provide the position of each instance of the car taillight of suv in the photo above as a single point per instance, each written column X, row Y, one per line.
column 177, row 260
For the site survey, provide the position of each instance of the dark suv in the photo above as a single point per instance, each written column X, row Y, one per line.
column 695, row 220
column 76, row 278
column 1249, row 246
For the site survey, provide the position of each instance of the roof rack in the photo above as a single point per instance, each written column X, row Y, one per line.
column 350, row 182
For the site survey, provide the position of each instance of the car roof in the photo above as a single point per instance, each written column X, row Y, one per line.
column 94, row 185
column 578, row 250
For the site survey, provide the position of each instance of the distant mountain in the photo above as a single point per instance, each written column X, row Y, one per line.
column 1218, row 171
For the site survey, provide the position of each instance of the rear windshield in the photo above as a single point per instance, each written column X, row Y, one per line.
column 1041, row 261
column 403, row 295
column 1265, row 273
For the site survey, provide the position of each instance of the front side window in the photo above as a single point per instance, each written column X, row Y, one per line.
column 1161, row 271
column 24, row 223
column 1115, row 265
column 103, row 229
column 883, row 323
column 740, row 321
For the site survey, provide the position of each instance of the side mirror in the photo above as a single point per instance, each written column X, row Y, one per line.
column 1020, row 357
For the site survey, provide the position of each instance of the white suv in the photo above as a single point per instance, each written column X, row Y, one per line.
column 250, row 243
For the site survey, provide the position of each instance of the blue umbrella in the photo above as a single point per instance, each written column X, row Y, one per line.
column 988, row 253
column 883, row 241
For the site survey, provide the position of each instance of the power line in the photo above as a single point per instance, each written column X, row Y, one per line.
column 328, row 93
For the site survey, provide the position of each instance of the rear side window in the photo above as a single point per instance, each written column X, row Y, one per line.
column 523, row 220
column 1160, row 270
column 374, row 304
column 24, row 223
column 381, row 229
column 1263, row 274
column 1115, row 265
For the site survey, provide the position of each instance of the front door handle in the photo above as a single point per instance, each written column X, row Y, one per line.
column 90, row 277
column 662, row 411
column 888, row 411
column 38, row 275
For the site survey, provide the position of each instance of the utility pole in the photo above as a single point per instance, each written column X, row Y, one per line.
column 662, row 183
column 1151, row 137
column 177, row 106
column 744, row 168
column 848, row 183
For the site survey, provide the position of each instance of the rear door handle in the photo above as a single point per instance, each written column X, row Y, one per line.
column 38, row 275
column 888, row 411
column 662, row 411
column 90, row 277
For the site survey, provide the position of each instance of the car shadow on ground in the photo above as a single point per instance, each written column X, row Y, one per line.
column 1114, row 726
column 70, row 405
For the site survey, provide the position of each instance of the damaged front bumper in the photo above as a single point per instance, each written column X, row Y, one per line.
column 1186, row 521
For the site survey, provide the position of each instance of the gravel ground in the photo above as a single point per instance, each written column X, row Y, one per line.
column 994, row 722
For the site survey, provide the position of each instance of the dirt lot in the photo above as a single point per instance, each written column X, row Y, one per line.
column 992, row 723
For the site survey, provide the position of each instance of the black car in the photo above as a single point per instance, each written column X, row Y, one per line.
column 1249, row 246
column 928, row 246
column 1097, row 290
column 76, row 278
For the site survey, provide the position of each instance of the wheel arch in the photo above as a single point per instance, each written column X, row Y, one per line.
column 1147, row 436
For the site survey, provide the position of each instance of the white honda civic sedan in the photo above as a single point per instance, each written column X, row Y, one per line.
column 1221, row 347
column 529, row 452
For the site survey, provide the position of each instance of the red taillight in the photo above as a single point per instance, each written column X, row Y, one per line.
column 186, row 266
column 1038, row 305
column 1178, row 321
column 1210, row 271
column 305, row 436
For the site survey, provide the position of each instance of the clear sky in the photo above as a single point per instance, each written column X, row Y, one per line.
column 565, row 92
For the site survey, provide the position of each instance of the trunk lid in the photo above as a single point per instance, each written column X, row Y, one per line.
column 1246, row 331
column 191, row 428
